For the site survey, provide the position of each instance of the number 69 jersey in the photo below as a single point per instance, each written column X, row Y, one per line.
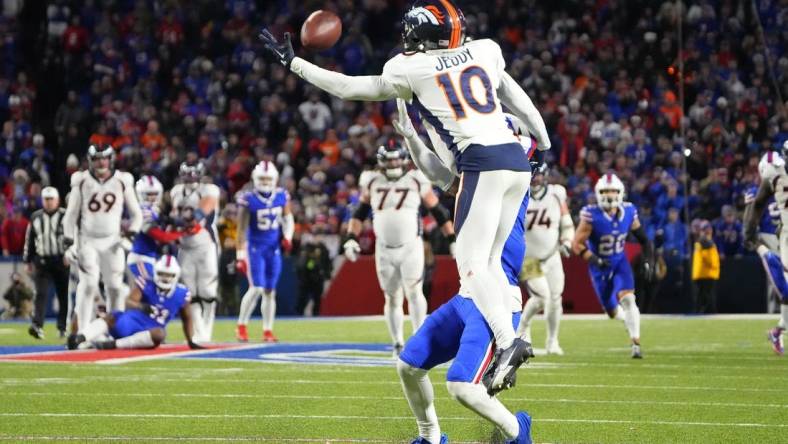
column 609, row 233
column 544, row 221
column 101, row 203
column 395, row 204
column 265, row 215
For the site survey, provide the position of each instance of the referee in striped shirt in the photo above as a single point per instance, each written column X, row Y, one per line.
column 43, row 258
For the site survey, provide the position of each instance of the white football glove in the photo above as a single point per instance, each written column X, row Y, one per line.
column 453, row 250
column 71, row 256
column 565, row 249
column 352, row 249
column 403, row 125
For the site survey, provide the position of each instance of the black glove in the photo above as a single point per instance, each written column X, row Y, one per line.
column 282, row 52
column 67, row 242
column 146, row 308
column 649, row 269
column 751, row 239
column 599, row 261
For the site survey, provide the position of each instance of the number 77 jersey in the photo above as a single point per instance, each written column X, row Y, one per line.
column 395, row 204
column 609, row 233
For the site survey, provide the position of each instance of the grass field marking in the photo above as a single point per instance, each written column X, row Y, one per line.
column 402, row 398
column 378, row 418
column 155, row 378
column 233, row 347
column 192, row 439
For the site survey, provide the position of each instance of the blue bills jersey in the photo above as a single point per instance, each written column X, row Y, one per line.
column 265, row 214
column 144, row 245
column 770, row 218
column 164, row 304
column 514, row 248
column 609, row 233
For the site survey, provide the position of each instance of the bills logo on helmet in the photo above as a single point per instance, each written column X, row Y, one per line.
column 429, row 14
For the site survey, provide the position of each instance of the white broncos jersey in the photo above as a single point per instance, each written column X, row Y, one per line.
column 95, row 208
column 543, row 221
column 185, row 201
column 395, row 204
column 455, row 91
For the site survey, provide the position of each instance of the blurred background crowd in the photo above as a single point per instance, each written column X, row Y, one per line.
column 168, row 80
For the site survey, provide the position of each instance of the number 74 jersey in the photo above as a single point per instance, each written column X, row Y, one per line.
column 395, row 204
column 609, row 233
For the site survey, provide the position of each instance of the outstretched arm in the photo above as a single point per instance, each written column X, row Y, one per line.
column 753, row 212
column 367, row 88
column 512, row 95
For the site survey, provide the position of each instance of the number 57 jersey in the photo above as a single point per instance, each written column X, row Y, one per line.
column 609, row 233
column 395, row 205
column 265, row 216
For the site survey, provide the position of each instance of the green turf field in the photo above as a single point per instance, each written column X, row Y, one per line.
column 702, row 380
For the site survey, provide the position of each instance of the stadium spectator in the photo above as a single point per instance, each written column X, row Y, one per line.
column 12, row 232
column 19, row 297
column 728, row 234
column 314, row 269
column 705, row 270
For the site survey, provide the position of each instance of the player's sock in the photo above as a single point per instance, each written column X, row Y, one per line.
column 95, row 330
column 532, row 306
column 553, row 312
column 83, row 306
column 475, row 397
column 248, row 304
column 417, row 306
column 268, row 309
column 783, row 316
column 631, row 315
column 197, row 321
column 486, row 294
column 418, row 391
column 141, row 339
column 619, row 313
column 208, row 317
column 392, row 312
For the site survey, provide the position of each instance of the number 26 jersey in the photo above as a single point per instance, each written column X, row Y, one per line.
column 395, row 204
column 609, row 233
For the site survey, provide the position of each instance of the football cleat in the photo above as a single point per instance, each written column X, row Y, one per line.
column 775, row 336
column 554, row 349
column 268, row 336
column 73, row 341
column 36, row 332
column 240, row 333
column 524, row 435
column 396, row 349
column 420, row 440
column 502, row 373
column 636, row 353
column 105, row 345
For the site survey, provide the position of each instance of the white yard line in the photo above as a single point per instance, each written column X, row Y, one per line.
column 378, row 418
column 401, row 398
column 155, row 378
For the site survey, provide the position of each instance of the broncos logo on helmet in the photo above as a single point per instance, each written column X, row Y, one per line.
column 433, row 24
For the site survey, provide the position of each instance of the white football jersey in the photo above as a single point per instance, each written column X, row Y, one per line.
column 543, row 221
column 454, row 90
column 95, row 208
column 395, row 204
column 187, row 200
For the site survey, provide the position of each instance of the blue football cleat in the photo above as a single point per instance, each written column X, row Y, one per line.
column 524, row 437
column 420, row 440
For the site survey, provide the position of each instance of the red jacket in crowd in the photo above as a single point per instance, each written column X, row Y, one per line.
column 12, row 234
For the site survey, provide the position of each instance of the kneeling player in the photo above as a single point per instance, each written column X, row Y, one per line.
column 457, row 330
column 600, row 239
column 150, row 308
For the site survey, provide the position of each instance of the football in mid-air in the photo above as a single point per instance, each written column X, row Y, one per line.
column 321, row 30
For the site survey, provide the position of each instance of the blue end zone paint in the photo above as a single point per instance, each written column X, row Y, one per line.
column 15, row 349
column 365, row 355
